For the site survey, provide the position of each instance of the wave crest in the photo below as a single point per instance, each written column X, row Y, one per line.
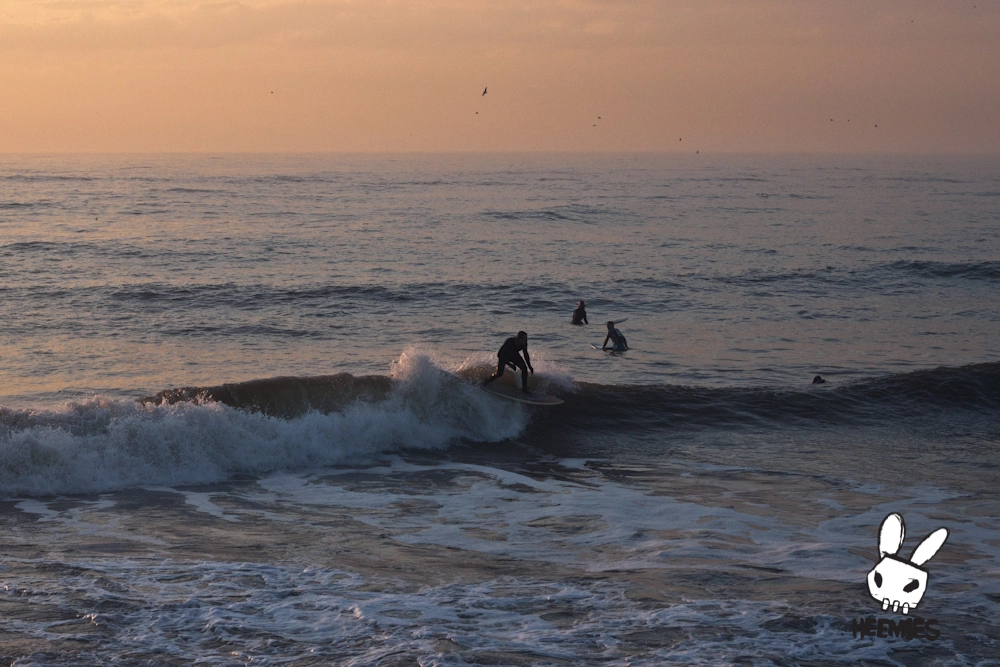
column 196, row 436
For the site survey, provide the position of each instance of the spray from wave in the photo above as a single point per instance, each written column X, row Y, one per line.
column 194, row 436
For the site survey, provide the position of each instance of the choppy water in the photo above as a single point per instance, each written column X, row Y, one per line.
column 239, row 421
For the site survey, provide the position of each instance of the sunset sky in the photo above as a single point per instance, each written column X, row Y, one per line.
column 388, row 75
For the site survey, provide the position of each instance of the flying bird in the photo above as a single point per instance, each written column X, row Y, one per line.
column 484, row 91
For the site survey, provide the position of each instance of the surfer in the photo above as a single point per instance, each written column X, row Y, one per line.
column 580, row 314
column 619, row 344
column 510, row 355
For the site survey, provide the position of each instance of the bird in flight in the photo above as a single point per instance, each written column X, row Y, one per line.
column 484, row 91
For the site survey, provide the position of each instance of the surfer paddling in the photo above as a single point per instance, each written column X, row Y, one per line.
column 510, row 355
column 619, row 344
column 580, row 314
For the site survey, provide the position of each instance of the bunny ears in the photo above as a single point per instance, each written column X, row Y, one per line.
column 892, row 532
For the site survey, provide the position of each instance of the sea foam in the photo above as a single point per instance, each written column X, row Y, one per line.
column 102, row 444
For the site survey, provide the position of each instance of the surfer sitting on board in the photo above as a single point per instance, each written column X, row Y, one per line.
column 616, row 337
column 580, row 315
column 509, row 355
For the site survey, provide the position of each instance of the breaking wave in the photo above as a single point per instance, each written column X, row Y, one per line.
column 198, row 435
column 195, row 436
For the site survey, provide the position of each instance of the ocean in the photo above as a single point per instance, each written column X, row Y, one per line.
column 240, row 421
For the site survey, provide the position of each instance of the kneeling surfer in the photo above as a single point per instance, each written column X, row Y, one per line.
column 619, row 344
column 510, row 355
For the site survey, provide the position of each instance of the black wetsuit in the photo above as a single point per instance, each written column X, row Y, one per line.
column 620, row 344
column 580, row 316
column 509, row 355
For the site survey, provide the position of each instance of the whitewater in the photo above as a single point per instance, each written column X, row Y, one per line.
column 240, row 420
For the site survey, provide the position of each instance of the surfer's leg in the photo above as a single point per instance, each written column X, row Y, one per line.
column 524, row 372
column 500, row 366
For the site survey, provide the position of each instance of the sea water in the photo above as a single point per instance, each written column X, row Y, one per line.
column 239, row 421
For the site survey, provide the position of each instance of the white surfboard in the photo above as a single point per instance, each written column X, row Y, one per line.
column 515, row 394
column 606, row 349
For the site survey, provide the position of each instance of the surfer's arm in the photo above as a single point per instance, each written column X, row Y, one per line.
column 527, row 360
column 605, row 343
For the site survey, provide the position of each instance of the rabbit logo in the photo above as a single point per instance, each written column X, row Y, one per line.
column 895, row 582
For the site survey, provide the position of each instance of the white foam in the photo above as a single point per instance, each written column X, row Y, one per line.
column 78, row 519
column 220, row 613
column 597, row 525
column 594, row 523
column 102, row 444
column 270, row 609
column 202, row 502
column 37, row 507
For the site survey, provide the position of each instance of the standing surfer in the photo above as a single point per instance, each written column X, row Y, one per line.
column 580, row 314
column 510, row 355
column 619, row 344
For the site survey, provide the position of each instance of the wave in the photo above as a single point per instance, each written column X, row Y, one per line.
column 15, row 205
column 344, row 297
column 871, row 276
column 930, row 269
column 926, row 179
column 43, row 178
column 196, row 435
column 641, row 290
column 286, row 397
column 204, row 435
column 568, row 212
column 893, row 399
column 195, row 191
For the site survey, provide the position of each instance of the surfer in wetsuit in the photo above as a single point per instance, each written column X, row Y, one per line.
column 580, row 315
column 619, row 344
column 510, row 355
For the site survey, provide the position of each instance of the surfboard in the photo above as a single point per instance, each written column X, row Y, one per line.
column 515, row 394
column 606, row 349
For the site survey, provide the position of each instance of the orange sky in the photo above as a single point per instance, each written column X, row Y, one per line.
column 387, row 75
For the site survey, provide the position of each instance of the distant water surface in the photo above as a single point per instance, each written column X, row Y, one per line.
column 134, row 274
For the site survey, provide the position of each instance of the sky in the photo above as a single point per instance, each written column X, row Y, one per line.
column 773, row 76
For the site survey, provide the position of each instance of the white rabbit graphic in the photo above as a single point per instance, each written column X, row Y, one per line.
column 894, row 581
